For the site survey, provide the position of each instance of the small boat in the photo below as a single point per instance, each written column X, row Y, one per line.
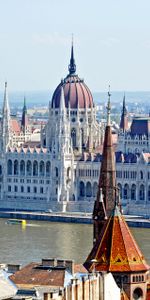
column 16, row 222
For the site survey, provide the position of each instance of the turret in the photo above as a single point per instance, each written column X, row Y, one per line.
column 5, row 121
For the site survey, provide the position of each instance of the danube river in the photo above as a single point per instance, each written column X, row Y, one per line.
column 44, row 239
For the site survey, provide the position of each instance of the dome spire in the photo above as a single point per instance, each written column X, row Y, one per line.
column 72, row 65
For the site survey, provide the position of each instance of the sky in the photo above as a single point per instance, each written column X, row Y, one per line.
column 111, row 43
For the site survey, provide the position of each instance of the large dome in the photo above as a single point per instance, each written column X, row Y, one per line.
column 76, row 93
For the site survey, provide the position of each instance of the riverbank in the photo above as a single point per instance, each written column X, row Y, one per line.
column 81, row 218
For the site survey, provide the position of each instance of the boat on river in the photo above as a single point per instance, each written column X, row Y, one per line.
column 16, row 222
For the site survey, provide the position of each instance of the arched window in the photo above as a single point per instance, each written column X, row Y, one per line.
column 88, row 189
column 42, row 168
column 142, row 192
column 16, row 167
column 22, row 168
column 138, row 294
column 73, row 137
column 141, row 174
column 126, row 191
column 29, row 168
column 48, row 165
column 95, row 187
column 81, row 189
column 133, row 192
column 0, row 170
column 35, row 168
column 120, row 189
column 9, row 167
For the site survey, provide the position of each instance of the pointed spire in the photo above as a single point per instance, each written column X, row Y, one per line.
column 108, row 107
column 5, row 103
column 107, row 181
column 6, row 120
column 124, row 119
column 62, row 101
column 24, row 121
column 72, row 65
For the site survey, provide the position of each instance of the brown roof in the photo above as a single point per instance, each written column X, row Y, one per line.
column 32, row 275
column 79, row 268
column 14, row 126
column 116, row 250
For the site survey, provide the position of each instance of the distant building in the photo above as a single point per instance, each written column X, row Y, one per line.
column 57, row 166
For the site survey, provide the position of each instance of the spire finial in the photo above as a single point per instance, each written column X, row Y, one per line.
column 5, row 84
column 72, row 65
column 108, row 107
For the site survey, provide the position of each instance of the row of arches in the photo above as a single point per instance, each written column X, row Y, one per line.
column 28, row 168
column 133, row 192
column 87, row 189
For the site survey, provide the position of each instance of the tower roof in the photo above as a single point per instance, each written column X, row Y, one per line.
column 107, row 179
column 76, row 93
column 116, row 250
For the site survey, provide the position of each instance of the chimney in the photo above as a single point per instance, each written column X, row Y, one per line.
column 12, row 268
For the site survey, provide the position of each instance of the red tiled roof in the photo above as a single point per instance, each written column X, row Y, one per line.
column 14, row 126
column 32, row 276
column 116, row 250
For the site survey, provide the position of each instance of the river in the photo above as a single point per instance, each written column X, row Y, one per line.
column 44, row 240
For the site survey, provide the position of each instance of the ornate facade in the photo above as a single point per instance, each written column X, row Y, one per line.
column 62, row 171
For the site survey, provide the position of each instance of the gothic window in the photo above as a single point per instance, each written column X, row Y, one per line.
column 149, row 193
column 22, row 168
column 73, row 137
column 22, row 189
column 126, row 191
column 42, row 168
column 15, row 188
column 82, row 189
column 28, row 189
column 35, row 168
column 141, row 175
column 69, row 173
column 142, row 192
column 88, row 189
column 95, row 187
column 56, row 172
column 16, row 167
column 29, row 168
column 41, row 190
column 82, row 137
column 48, row 168
column 133, row 192
column 9, row 167
column 120, row 189
column 0, row 170
column 9, row 188
column 35, row 189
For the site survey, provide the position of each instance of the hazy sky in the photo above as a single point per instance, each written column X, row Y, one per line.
column 111, row 41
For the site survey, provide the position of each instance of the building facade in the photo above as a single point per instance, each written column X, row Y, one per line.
column 61, row 172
